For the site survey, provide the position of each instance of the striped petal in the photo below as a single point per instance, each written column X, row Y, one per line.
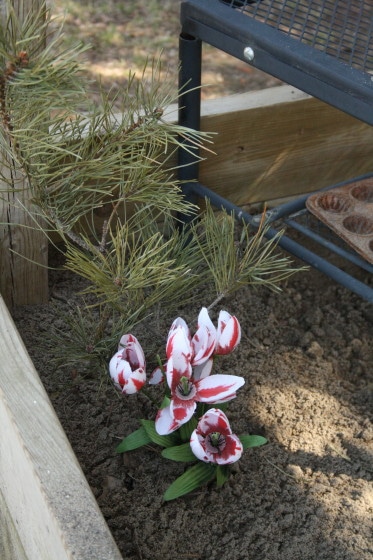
column 177, row 366
column 132, row 351
column 229, row 333
column 125, row 379
column 119, row 369
column 232, row 451
column 182, row 410
column 218, row 388
column 203, row 345
column 164, row 423
column 197, row 446
column 156, row 377
column 214, row 420
column 203, row 370
column 134, row 382
column 213, row 441
column 204, row 319
column 179, row 342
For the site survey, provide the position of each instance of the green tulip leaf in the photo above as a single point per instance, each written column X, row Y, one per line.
column 165, row 402
column 222, row 474
column 252, row 441
column 196, row 476
column 182, row 453
column 133, row 441
column 163, row 441
column 186, row 429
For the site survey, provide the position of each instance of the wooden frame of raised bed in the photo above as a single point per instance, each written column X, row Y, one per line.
column 277, row 143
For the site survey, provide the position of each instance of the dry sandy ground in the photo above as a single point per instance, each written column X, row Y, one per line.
column 307, row 358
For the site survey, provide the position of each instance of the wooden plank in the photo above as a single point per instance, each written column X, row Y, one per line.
column 46, row 494
column 279, row 143
column 10, row 545
column 23, row 247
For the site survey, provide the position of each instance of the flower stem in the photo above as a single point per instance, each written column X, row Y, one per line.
column 216, row 300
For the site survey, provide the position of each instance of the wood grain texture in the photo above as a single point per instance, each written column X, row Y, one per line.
column 23, row 245
column 46, row 494
column 10, row 545
column 23, row 248
column 280, row 143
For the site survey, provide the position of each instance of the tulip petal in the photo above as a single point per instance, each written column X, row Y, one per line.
column 179, row 342
column 196, row 445
column 182, row 410
column 164, row 423
column 204, row 319
column 217, row 387
column 226, row 399
column 203, row 370
column 179, row 322
column 203, row 344
column 226, row 450
column 126, row 338
column 177, row 366
column 229, row 333
column 156, row 377
column 132, row 351
column 134, row 382
column 223, row 319
column 119, row 368
column 214, row 420
column 232, row 451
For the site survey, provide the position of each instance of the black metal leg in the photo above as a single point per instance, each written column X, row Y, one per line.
column 189, row 111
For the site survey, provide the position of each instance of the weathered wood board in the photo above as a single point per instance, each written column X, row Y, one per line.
column 47, row 508
column 279, row 143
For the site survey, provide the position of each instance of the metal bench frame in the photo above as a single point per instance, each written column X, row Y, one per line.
column 241, row 33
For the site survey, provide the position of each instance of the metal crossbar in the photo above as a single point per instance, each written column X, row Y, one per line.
column 296, row 248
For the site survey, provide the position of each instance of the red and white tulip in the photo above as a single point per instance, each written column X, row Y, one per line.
column 213, row 440
column 228, row 333
column 186, row 391
column 127, row 366
column 198, row 348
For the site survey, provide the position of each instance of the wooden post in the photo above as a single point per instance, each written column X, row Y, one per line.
column 23, row 245
column 47, row 510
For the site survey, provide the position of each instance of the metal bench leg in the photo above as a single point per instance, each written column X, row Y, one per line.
column 190, row 56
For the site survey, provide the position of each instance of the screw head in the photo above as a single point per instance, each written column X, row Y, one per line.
column 248, row 53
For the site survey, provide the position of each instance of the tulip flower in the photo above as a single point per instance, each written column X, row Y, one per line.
column 213, row 441
column 186, row 391
column 127, row 366
column 228, row 334
column 198, row 348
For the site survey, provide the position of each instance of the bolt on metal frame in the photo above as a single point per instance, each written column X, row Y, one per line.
column 322, row 47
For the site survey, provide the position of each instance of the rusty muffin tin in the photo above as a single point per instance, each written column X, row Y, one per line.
column 348, row 211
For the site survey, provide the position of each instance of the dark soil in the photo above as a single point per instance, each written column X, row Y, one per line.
column 307, row 358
